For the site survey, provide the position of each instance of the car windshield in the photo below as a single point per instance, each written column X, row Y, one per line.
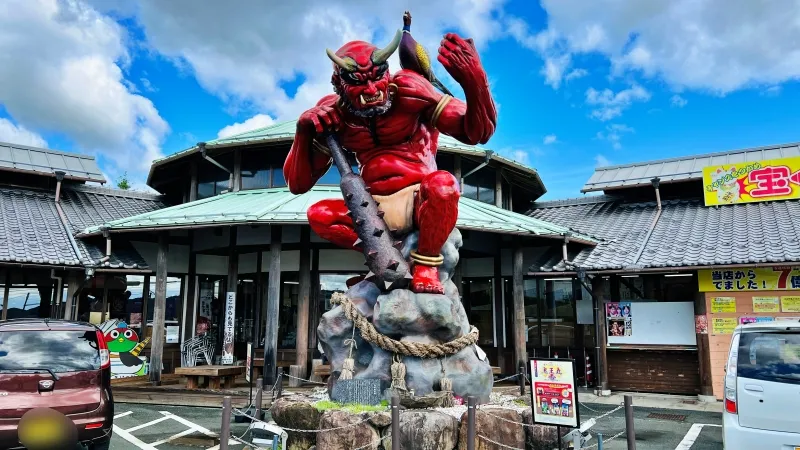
column 770, row 356
column 59, row 351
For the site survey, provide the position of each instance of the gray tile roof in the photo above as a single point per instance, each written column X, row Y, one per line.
column 30, row 229
column 87, row 206
column 123, row 255
column 21, row 158
column 687, row 233
column 677, row 169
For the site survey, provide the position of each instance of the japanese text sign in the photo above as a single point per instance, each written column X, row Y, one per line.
column 755, row 279
column 553, row 396
column 228, row 330
column 753, row 181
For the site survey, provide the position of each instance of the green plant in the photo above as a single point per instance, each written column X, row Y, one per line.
column 352, row 408
column 123, row 182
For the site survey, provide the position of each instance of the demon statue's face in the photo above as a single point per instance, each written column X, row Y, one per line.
column 361, row 76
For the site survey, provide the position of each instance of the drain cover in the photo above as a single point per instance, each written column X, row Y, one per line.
column 671, row 417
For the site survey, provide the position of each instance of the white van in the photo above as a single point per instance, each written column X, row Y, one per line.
column 762, row 387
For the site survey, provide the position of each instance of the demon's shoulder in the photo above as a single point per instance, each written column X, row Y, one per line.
column 413, row 85
column 328, row 100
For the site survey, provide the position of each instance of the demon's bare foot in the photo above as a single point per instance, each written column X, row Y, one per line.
column 426, row 280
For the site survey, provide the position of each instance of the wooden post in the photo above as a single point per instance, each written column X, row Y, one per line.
column 315, row 312
column 259, row 300
column 105, row 299
column 6, row 290
column 303, row 301
column 237, row 170
column 159, row 309
column 704, row 352
column 498, row 188
column 232, row 284
column 273, row 307
column 145, row 303
column 602, row 338
column 73, row 283
column 190, row 308
column 457, row 171
column 499, row 313
column 193, row 182
column 520, row 348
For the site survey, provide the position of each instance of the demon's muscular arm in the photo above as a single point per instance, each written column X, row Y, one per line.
column 473, row 122
column 308, row 159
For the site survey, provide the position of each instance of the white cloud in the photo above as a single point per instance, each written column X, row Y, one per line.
column 601, row 161
column 553, row 70
column 251, row 52
column 714, row 45
column 550, row 139
column 610, row 105
column 678, row 101
column 62, row 69
column 613, row 134
column 16, row 134
column 253, row 123
column 574, row 74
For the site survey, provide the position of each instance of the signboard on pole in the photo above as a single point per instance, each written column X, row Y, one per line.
column 249, row 361
column 553, row 396
column 228, row 329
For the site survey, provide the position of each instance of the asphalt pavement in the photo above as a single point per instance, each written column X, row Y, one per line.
column 152, row 427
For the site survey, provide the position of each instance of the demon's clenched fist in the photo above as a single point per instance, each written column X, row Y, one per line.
column 392, row 124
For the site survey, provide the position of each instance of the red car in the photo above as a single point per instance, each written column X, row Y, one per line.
column 60, row 369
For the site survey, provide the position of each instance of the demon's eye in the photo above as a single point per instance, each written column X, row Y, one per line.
column 128, row 334
column 382, row 70
column 114, row 334
column 351, row 78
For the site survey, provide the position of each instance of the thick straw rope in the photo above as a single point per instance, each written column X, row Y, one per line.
column 420, row 350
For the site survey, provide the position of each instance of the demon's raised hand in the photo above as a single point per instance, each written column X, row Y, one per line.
column 392, row 124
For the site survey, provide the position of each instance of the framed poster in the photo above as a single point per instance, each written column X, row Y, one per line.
column 554, row 399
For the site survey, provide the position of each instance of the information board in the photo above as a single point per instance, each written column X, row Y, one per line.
column 228, row 330
column 554, row 399
column 651, row 323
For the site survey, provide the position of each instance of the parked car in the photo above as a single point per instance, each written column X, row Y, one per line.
column 762, row 387
column 61, row 365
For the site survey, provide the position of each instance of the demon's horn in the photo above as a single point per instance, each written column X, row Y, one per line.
column 382, row 55
column 345, row 63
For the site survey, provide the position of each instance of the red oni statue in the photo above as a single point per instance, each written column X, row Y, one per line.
column 392, row 124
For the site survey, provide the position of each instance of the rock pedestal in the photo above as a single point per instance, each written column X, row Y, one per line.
column 425, row 430
column 406, row 316
column 495, row 424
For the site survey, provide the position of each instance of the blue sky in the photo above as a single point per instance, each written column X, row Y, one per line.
column 578, row 82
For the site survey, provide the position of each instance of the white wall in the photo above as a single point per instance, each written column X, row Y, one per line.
column 177, row 255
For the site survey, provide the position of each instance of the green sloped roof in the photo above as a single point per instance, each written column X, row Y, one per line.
column 279, row 206
column 284, row 131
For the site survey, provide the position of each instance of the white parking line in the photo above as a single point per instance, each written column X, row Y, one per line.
column 132, row 439
column 692, row 435
column 126, row 413
column 145, row 425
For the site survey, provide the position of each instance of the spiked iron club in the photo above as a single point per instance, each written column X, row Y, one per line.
column 388, row 268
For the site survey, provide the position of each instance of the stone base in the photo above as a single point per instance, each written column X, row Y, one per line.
column 707, row 399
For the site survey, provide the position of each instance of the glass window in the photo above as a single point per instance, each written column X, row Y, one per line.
column 211, row 180
column 277, row 177
column 174, row 304
column 255, row 170
column 59, row 351
column 558, row 313
column 287, row 326
column 480, row 293
column 23, row 302
column 770, row 357
column 331, row 177
column 330, row 283
column 479, row 185
column 533, row 327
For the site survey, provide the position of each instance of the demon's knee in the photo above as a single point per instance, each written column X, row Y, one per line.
column 440, row 185
column 323, row 214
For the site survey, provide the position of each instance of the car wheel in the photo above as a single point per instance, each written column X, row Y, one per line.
column 100, row 446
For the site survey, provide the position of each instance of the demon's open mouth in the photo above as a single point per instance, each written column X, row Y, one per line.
column 371, row 101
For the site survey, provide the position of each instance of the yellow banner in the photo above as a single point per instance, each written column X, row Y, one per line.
column 757, row 279
column 766, row 304
column 754, row 181
column 723, row 326
column 723, row 305
column 790, row 304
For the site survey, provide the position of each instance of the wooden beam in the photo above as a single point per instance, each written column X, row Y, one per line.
column 159, row 309
column 237, row 170
column 145, row 302
column 273, row 308
column 632, row 288
column 73, row 284
column 6, row 290
column 315, row 312
column 303, row 301
column 520, row 328
column 703, row 349
column 258, row 307
column 232, row 284
column 105, row 299
column 190, row 307
column 499, row 312
column 598, row 284
column 193, row 181
column 498, row 188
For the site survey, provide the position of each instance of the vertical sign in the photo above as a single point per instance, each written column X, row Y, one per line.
column 554, row 399
column 249, row 361
column 227, row 336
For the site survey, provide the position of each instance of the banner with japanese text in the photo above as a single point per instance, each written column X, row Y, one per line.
column 752, row 181
column 776, row 278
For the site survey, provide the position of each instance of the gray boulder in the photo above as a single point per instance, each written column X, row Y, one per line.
column 300, row 414
column 353, row 432
column 425, row 430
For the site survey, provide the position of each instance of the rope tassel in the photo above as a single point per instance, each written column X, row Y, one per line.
column 349, row 365
column 398, row 374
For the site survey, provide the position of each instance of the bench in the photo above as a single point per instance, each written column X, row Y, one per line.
column 258, row 366
column 323, row 371
column 495, row 370
column 216, row 376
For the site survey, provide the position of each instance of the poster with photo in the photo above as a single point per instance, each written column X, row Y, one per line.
column 620, row 319
column 554, row 399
